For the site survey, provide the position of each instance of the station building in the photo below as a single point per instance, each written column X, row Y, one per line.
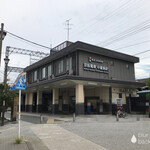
column 77, row 75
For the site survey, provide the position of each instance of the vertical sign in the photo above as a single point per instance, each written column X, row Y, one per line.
column 20, row 85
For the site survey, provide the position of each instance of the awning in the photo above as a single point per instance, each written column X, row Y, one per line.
column 143, row 92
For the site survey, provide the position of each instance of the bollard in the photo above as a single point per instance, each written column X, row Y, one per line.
column 41, row 119
column 117, row 117
column 138, row 118
column 74, row 117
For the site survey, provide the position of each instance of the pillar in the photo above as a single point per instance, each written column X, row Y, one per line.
column 79, row 99
column 39, row 101
column 110, row 100
column 15, row 104
column 55, row 100
column 28, row 102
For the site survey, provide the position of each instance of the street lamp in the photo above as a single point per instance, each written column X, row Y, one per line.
column 2, row 36
column 6, row 59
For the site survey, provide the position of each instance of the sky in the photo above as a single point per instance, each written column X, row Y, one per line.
column 120, row 25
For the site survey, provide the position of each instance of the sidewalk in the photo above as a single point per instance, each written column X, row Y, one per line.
column 9, row 132
column 57, row 138
column 43, row 137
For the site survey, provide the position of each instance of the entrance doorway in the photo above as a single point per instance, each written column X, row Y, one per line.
column 92, row 105
column 34, row 102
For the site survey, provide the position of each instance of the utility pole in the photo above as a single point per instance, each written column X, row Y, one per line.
column 6, row 59
column 2, row 36
column 1, row 39
column 68, row 28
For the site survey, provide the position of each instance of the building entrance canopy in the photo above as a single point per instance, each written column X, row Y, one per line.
column 143, row 92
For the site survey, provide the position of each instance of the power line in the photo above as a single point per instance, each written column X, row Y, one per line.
column 27, row 40
column 107, row 16
column 141, row 27
column 142, row 52
column 133, row 45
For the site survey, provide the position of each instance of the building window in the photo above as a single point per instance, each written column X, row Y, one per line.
column 34, row 75
column 69, row 63
column 49, row 70
column 60, row 67
column 24, row 76
column 120, row 95
column 43, row 73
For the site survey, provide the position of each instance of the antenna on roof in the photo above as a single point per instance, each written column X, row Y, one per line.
column 68, row 28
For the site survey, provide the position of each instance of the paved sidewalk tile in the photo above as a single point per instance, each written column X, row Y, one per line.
column 9, row 132
column 57, row 138
column 9, row 144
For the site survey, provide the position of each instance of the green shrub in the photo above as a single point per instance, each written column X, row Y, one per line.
column 18, row 140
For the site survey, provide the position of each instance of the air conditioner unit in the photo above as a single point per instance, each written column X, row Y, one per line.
column 52, row 76
column 70, row 72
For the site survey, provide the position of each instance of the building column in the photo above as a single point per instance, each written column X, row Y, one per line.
column 55, row 100
column 28, row 102
column 39, row 101
column 79, row 99
column 110, row 100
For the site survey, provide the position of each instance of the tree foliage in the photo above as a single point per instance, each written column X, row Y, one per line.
column 148, row 84
column 9, row 97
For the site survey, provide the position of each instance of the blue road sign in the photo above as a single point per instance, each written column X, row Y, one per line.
column 20, row 85
column 12, row 88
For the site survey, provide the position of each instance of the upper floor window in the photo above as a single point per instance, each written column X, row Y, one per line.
column 43, row 73
column 49, row 70
column 35, row 75
column 60, row 66
column 69, row 63
column 24, row 76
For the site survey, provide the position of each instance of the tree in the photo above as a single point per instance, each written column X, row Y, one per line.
column 148, row 84
column 9, row 97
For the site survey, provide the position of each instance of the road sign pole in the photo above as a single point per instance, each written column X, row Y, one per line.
column 19, row 112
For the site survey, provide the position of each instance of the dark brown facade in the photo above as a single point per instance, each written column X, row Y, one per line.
column 84, row 66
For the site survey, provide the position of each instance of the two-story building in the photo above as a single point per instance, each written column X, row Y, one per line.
column 77, row 75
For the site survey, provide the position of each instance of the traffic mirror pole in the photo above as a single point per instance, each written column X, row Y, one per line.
column 19, row 112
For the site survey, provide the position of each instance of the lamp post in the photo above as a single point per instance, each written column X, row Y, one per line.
column 2, row 36
column 6, row 59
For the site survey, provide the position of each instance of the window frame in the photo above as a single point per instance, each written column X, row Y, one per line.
column 43, row 70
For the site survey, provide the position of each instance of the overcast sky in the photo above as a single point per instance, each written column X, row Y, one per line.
column 121, row 25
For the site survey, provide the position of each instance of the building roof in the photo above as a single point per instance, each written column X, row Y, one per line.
column 83, row 47
column 142, row 80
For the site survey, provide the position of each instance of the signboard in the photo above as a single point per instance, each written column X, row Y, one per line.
column 12, row 88
column 91, row 59
column 117, row 101
column 20, row 84
column 101, row 68
column 95, row 68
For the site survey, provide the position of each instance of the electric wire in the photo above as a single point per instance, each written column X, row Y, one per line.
column 142, row 52
column 131, row 31
column 132, row 45
column 107, row 16
column 25, row 42
column 19, row 37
